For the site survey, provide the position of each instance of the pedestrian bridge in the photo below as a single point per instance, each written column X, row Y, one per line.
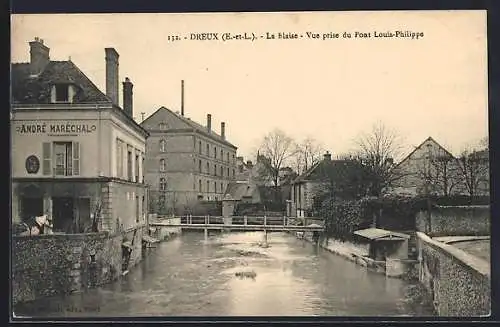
column 236, row 223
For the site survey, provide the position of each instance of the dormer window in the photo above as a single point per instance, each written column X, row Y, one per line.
column 62, row 92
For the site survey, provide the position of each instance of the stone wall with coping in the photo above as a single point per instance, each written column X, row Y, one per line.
column 45, row 265
column 455, row 220
column 459, row 283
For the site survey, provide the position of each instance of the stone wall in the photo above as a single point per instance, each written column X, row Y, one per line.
column 459, row 283
column 135, row 234
column 456, row 220
column 44, row 265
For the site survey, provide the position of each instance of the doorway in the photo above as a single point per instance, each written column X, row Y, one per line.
column 63, row 214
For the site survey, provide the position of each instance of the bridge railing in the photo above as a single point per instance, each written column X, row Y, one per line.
column 244, row 220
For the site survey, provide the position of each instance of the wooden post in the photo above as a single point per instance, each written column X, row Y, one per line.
column 245, row 220
column 208, row 220
column 206, row 234
column 284, row 221
column 265, row 222
column 265, row 237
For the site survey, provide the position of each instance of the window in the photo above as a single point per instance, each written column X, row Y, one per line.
column 199, row 165
column 119, row 157
column 208, row 186
column 162, row 165
column 221, row 188
column 233, row 173
column 63, row 158
column 233, row 160
column 162, row 126
column 137, row 209
column 129, row 165
column 61, row 93
column 163, row 146
column 227, row 157
column 199, row 147
column 208, row 150
column 163, row 184
column 227, row 171
column 215, row 170
column 137, row 168
column 208, row 168
column 215, row 152
column 143, row 159
column 199, row 186
column 215, row 187
column 221, row 154
column 222, row 171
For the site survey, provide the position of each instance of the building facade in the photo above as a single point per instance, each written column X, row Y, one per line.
column 429, row 168
column 185, row 162
column 75, row 153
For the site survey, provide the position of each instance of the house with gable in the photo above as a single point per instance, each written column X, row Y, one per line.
column 341, row 178
column 185, row 161
column 428, row 169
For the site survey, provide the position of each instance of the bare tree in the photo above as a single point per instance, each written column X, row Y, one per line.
column 377, row 151
column 277, row 148
column 440, row 174
column 307, row 154
column 474, row 169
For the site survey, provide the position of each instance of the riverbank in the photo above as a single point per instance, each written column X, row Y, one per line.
column 358, row 253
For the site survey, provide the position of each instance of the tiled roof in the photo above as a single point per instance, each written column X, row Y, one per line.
column 377, row 234
column 36, row 89
column 324, row 168
column 196, row 126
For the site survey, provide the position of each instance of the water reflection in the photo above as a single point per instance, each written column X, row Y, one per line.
column 188, row 276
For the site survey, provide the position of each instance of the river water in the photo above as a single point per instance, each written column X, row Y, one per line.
column 188, row 276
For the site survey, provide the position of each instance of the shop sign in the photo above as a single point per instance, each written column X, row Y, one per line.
column 64, row 128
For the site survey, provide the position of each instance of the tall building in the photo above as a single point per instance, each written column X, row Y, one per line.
column 185, row 161
column 75, row 152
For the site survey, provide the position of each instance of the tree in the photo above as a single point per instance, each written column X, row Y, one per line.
column 474, row 169
column 440, row 174
column 276, row 148
column 307, row 154
column 376, row 151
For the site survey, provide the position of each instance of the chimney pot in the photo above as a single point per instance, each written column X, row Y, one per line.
column 128, row 99
column 112, row 74
column 39, row 56
column 209, row 122
column 223, row 130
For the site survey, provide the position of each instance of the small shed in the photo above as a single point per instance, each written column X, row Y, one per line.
column 385, row 243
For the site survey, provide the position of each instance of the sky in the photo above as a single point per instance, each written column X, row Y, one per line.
column 329, row 89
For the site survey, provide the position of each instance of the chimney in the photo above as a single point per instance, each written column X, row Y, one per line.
column 39, row 56
column 209, row 122
column 112, row 74
column 223, row 130
column 128, row 100
column 182, row 98
column 327, row 156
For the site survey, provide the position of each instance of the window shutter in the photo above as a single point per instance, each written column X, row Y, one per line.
column 47, row 158
column 76, row 158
